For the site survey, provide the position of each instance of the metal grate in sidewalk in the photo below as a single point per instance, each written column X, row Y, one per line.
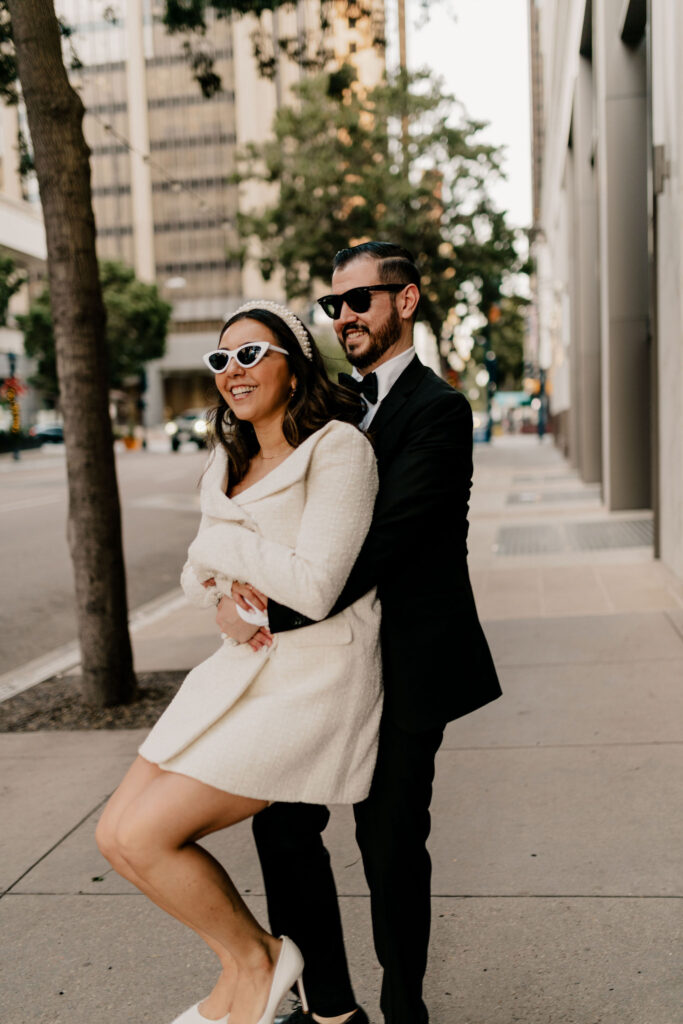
column 529, row 540
column 552, row 497
column 624, row 533
column 546, row 539
column 521, row 479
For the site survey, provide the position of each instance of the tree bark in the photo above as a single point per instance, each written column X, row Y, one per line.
column 62, row 161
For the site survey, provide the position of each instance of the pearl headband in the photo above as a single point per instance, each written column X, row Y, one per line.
column 295, row 325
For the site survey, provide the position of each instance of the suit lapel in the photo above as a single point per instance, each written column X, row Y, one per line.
column 413, row 374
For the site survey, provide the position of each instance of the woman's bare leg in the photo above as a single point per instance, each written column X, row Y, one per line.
column 156, row 836
column 138, row 777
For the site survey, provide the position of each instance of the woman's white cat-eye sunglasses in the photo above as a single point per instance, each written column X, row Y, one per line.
column 247, row 355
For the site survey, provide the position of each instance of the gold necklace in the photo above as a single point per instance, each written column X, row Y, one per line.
column 271, row 458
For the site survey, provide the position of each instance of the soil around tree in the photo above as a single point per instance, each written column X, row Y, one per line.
column 57, row 705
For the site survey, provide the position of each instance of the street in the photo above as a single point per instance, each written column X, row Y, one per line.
column 160, row 504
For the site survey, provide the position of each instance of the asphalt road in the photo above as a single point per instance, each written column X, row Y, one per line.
column 160, row 510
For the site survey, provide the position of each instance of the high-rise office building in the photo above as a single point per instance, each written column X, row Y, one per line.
column 163, row 155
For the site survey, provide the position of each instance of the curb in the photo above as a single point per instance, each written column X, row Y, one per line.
column 68, row 656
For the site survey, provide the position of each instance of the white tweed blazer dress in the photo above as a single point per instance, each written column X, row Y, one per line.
column 298, row 721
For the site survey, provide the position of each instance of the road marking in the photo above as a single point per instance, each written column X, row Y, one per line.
column 68, row 656
column 16, row 506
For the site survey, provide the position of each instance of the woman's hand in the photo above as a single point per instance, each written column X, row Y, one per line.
column 209, row 583
column 248, row 597
column 261, row 638
column 232, row 624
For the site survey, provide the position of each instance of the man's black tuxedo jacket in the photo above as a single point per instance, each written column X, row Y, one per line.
column 436, row 662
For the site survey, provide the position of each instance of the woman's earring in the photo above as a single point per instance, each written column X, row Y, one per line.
column 292, row 391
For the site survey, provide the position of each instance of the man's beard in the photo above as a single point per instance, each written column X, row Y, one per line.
column 383, row 338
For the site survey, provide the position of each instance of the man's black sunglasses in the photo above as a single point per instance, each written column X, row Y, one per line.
column 357, row 299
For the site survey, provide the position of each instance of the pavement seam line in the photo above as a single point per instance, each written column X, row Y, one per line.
column 562, row 746
column 678, row 630
column 434, row 895
column 54, row 846
column 572, row 664
column 602, row 587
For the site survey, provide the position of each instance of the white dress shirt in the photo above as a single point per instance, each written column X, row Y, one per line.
column 387, row 374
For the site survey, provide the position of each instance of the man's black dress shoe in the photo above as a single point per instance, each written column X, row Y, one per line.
column 297, row 1016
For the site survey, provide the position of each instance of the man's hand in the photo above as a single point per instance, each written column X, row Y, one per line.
column 232, row 624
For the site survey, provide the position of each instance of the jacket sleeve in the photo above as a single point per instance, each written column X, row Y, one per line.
column 430, row 474
column 191, row 580
column 341, row 488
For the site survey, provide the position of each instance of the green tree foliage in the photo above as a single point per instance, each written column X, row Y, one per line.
column 8, row 62
column 137, row 323
column 191, row 19
column 506, row 339
column 11, row 280
column 387, row 164
column 39, row 344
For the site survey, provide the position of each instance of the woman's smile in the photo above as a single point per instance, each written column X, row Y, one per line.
column 238, row 392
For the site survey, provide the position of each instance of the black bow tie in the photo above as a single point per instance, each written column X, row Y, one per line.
column 367, row 386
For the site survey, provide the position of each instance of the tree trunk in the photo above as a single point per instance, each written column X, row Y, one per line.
column 55, row 116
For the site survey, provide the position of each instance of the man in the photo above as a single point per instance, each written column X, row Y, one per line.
column 437, row 664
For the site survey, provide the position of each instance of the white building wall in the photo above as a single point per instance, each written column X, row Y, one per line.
column 667, row 131
column 606, row 303
column 622, row 143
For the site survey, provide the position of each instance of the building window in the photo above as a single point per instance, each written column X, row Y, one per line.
column 112, row 190
column 194, row 183
column 193, row 100
column 195, row 267
column 162, row 227
column 190, row 141
column 117, row 231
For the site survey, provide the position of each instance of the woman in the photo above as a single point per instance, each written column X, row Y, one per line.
column 286, row 502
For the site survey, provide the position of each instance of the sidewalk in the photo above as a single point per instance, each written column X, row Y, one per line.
column 558, row 833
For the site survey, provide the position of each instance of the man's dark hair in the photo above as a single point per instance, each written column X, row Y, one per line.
column 396, row 264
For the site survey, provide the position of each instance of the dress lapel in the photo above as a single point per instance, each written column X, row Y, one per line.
column 216, row 503
column 213, row 499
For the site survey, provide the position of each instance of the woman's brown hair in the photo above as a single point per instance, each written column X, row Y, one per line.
column 316, row 401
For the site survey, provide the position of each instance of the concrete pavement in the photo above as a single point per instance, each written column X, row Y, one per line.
column 558, row 833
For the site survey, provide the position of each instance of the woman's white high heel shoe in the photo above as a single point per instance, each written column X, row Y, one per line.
column 289, row 968
column 193, row 1016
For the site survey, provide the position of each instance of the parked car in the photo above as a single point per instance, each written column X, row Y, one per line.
column 190, row 425
column 52, row 433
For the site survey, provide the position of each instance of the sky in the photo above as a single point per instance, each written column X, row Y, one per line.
column 480, row 48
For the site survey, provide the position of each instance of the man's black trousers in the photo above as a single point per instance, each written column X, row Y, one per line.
column 392, row 827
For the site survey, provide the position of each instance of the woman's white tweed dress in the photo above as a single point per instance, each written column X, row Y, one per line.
column 297, row 722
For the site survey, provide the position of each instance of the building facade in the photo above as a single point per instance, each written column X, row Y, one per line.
column 22, row 239
column 164, row 156
column 608, row 247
